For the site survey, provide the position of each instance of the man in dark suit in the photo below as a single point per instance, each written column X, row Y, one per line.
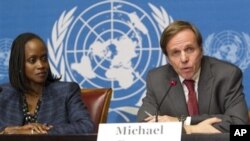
column 218, row 91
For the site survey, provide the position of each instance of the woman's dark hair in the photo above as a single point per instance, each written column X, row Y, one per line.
column 175, row 28
column 17, row 63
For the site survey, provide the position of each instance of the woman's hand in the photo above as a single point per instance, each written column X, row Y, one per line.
column 32, row 128
column 37, row 128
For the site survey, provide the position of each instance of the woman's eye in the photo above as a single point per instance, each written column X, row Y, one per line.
column 32, row 60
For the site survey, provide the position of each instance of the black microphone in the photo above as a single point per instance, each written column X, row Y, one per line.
column 172, row 84
column 1, row 89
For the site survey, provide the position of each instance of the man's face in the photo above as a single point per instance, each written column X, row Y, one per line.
column 184, row 54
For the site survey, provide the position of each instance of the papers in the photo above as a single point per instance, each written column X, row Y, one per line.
column 140, row 131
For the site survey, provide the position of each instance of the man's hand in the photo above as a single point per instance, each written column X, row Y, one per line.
column 203, row 127
column 164, row 118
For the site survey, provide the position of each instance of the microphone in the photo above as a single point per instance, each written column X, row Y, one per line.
column 1, row 89
column 172, row 84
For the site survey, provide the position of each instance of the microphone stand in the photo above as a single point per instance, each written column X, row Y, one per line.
column 172, row 84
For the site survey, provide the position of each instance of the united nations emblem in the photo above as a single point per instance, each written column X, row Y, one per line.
column 109, row 44
column 5, row 45
column 231, row 46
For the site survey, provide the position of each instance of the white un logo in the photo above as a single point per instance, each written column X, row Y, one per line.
column 5, row 45
column 230, row 46
column 109, row 44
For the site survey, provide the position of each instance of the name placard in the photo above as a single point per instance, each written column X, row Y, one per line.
column 160, row 131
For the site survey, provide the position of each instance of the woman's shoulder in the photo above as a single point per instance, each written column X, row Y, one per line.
column 63, row 86
column 62, row 83
column 7, row 89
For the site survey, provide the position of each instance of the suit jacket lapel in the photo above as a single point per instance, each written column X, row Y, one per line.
column 178, row 99
column 205, row 86
column 176, row 95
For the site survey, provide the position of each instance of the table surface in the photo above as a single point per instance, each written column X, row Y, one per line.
column 93, row 137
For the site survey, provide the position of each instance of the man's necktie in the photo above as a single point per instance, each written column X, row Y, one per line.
column 192, row 100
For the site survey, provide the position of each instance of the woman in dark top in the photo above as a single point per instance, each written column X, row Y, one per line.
column 35, row 101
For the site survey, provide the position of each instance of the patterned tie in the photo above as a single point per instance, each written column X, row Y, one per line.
column 192, row 100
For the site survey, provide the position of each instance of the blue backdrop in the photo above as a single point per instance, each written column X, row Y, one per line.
column 113, row 43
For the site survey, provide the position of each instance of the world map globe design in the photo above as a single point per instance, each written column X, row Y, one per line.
column 113, row 48
column 4, row 59
column 228, row 45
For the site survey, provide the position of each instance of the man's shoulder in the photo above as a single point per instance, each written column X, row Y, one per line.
column 160, row 68
column 165, row 71
column 220, row 63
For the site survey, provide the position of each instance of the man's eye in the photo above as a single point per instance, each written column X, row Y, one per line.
column 175, row 53
column 190, row 50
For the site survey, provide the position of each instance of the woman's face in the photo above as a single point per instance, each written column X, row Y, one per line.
column 36, row 62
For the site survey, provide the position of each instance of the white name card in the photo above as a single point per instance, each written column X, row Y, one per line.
column 160, row 131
